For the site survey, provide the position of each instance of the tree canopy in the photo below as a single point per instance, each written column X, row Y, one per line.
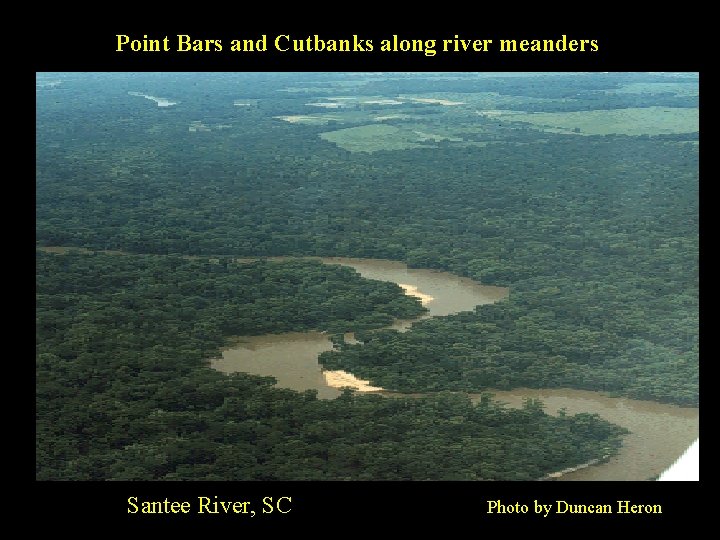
column 595, row 232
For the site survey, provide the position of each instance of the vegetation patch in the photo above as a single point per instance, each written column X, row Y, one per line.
column 634, row 121
column 373, row 137
column 676, row 88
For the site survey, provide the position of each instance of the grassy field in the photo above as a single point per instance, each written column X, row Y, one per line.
column 372, row 138
column 636, row 121
column 397, row 122
column 310, row 119
column 477, row 100
column 677, row 88
column 346, row 116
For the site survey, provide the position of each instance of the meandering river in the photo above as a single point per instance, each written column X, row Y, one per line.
column 659, row 432
column 292, row 358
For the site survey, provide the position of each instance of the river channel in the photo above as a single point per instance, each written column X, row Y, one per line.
column 659, row 432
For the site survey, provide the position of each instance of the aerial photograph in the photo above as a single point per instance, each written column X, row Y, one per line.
column 366, row 276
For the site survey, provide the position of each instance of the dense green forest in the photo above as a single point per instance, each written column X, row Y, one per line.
column 594, row 229
column 124, row 392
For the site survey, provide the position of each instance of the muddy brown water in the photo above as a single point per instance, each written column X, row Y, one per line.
column 292, row 357
column 659, row 432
